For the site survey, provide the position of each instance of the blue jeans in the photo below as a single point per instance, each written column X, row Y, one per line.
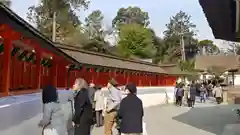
column 202, row 98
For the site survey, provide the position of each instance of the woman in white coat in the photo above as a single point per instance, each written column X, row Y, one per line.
column 217, row 92
column 99, row 105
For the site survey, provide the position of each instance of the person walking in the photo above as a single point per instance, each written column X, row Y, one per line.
column 99, row 105
column 217, row 92
column 179, row 95
column 203, row 92
column 92, row 89
column 192, row 95
column 131, row 113
column 112, row 106
column 82, row 119
column 53, row 122
column 91, row 92
column 186, row 92
column 210, row 89
column 175, row 92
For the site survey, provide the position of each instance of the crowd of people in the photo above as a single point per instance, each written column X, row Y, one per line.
column 89, row 108
column 187, row 93
column 120, row 109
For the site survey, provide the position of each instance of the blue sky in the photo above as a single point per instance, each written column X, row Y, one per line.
column 159, row 11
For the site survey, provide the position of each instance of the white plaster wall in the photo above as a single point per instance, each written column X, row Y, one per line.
column 236, row 80
column 152, row 99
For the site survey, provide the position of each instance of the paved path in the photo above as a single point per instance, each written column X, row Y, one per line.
column 204, row 119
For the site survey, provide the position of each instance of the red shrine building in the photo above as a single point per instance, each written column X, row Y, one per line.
column 28, row 61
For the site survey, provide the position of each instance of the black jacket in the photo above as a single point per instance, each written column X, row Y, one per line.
column 91, row 93
column 83, row 108
column 193, row 92
column 131, row 114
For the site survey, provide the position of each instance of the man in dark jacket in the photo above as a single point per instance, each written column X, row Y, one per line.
column 179, row 95
column 91, row 93
column 131, row 112
column 192, row 93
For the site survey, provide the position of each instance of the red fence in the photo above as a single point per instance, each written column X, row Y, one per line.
column 61, row 75
column 45, row 76
column 1, row 69
column 22, row 74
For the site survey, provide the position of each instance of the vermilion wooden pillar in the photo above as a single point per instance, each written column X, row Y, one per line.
column 97, row 77
column 127, row 77
column 54, row 71
column 93, row 75
column 6, row 66
column 110, row 74
column 137, row 80
column 38, row 68
column 66, row 76
column 124, row 77
column 140, row 79
column 114, row 74
column 65, row 67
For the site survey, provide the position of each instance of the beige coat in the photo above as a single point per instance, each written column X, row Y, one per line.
column 186, row 92
column 99, row 100
column 217, row 91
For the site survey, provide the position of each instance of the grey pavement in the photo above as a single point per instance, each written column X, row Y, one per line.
column 205, row 119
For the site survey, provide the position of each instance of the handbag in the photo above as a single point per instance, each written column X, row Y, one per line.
column 144, row 128
column 189, row 94
column 49, row 131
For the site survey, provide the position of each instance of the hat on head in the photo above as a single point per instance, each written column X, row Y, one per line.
column 132, row 88
column 113, row 82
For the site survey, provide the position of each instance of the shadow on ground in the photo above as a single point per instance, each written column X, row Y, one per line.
column 211, row 119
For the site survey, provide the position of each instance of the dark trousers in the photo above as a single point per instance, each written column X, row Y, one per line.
column 83, row 129
column 219, row 100
column 202, row 98
column 179, row 100
column 191, row 102
column 210, row 93
column 94, row 116
column 99, row 118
